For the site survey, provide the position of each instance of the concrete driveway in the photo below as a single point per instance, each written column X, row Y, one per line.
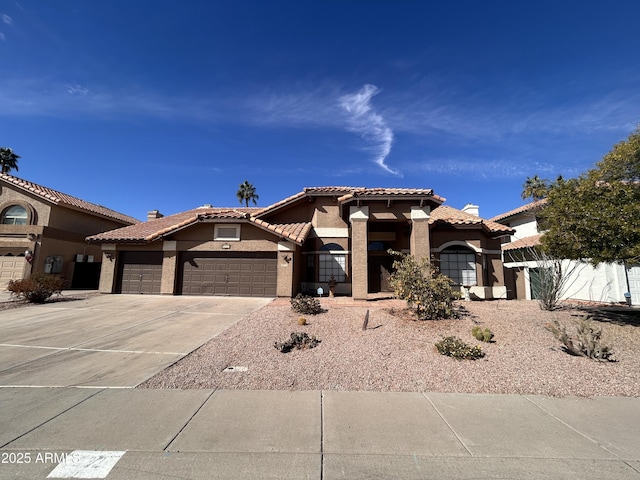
column 109, row 340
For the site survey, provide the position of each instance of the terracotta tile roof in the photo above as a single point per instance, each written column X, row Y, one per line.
column 281, row 203
column 62, row 199
column 453, row 216
column 529, row 207
column 296, row 232
column 347, row 193
column 331, row 190
column 390, row 192
column 155, row 229
column 526, row 242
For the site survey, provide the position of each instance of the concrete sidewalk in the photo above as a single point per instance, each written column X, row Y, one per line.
column 235, row 434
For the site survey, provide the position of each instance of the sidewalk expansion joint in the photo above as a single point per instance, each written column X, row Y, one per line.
column 447, row 424
column 166, row 448
column 52, row 418
column 582, row 434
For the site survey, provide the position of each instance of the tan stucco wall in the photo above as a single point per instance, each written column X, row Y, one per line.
column 327, row 215
column 57, row 231
column 200, row 238
column 359, row 253
column 9, row 197
column 82, row 222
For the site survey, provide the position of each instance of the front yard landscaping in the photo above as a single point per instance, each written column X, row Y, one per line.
column 397, row 353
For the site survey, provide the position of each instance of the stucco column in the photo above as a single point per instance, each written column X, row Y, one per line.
column 358, row 217
column 108, row 269
column 420, row 241
column 285, row 269
column 169, row 265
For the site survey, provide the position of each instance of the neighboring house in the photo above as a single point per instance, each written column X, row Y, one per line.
column 42, row 230
column 606, row 283
column 299, row 243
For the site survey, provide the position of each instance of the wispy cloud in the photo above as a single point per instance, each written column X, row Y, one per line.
column 362, row 119
column 77, row 90
column 6, row 19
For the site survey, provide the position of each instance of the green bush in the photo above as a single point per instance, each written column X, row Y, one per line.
column 37, row 288
column 427, row 292
column 305, row 304
column 485, row 335
column 456, row 348
column 586, row 342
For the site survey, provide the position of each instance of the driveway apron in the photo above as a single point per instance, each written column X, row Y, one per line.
column 109, row 340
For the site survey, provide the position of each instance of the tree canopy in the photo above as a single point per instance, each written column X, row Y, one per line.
column 8, row 160
column 596, row 217
column 247, row 192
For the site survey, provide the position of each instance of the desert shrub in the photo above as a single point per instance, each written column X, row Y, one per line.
column 302, row 321
column 485, row 335
column 456, row 348
column 37, row 288
column 427, row 292
column 299, row 341
column 305, row 304
column 586, row 342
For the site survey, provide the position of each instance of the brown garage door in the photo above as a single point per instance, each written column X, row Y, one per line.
column 245, row 275
column 140, row 272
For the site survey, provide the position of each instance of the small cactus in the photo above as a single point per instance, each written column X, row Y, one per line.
column 485, row 335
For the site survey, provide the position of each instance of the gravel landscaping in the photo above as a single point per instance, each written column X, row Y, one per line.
column 397, row 353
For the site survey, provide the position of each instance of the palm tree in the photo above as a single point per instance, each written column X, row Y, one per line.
column 536, row 188
column 8, row 160
column 247, row 192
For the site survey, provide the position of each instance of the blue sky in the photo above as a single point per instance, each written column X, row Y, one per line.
column 155, row 104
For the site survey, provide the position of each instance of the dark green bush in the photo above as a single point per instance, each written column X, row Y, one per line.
column 306, row 304
column 37, row 288
column 456, row 348
column 485, row 335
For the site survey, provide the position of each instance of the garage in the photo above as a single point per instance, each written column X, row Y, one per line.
column 11, row 268
column 140, row 272
column 251, row 274
column 633, row 276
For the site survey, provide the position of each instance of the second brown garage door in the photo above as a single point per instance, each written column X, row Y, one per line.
column 140, row 272
column 245, row 275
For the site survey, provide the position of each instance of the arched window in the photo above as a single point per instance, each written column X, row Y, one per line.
column 459, row 264
column 15, row 215
column 332, row 263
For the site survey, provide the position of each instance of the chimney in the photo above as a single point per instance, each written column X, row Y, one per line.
column 471, row 209
column 153, row 215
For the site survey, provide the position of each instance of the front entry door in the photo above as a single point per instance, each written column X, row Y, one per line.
column 380, row 269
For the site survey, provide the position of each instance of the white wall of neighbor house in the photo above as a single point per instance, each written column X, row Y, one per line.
column 605, row 283
column 524, row 227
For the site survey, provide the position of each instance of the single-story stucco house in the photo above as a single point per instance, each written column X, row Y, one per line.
column 43, row 230
column 297, row 245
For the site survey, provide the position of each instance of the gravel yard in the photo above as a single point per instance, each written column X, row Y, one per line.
column 397, row 353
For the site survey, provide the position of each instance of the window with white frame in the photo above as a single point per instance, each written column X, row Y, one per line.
column 459, row 264
column 228, row 232
column 15, row 215
column 332, row 263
